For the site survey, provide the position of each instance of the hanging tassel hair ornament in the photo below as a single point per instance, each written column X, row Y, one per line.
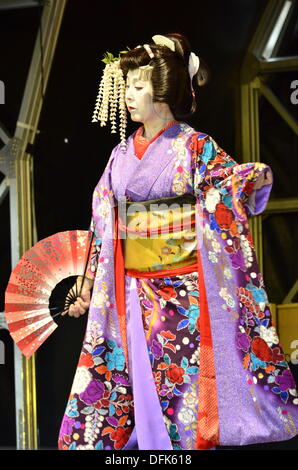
column 111, row 98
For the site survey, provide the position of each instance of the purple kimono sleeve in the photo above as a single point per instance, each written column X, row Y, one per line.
column 252, row 186
column 102, row 202
column 244, row 188
column 94, row 254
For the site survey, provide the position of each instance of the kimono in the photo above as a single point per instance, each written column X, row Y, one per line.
column 188, row 358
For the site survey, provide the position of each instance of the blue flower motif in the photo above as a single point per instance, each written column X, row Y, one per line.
column 213, row 224
column 111, row 344
column 259, row 294
column 151, row 357
column 256, row 363
column 227, row 200
column 164, row 405
column 217, row 183
column 265, row 322
column 115, row 359
column 192, row 370
column 229, row 163
column 72, row 408
column 181, row 310
column 184, row 362
column 202, row 169
column 223, row 191
column 174, row 434
column 193, row 312
column 182, row 324
column 282, row 395
column 176, row 447
column 99, row 445
column 98, row 351
column 208, row 153
column 177, row 283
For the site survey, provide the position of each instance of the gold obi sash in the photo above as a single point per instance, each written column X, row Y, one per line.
column 159, row 234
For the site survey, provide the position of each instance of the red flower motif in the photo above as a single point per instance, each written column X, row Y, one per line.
column 261, row 349
column 248, row 187
column 277, row 356
column 175, row 374
column 196, row 145
column 223, row 216
column 234, row 229
column 157, row 379
column 105, row 402
column 120, row 436
column 86, row 360
column 167, row 292
column 168, row 335
column 249, row 238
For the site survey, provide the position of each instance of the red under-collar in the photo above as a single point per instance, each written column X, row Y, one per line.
column 141, row 144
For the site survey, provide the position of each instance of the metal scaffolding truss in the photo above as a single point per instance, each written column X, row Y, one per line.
column 16, row 164
column 260, row 61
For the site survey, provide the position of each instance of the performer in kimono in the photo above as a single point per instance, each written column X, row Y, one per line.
column 180, row 350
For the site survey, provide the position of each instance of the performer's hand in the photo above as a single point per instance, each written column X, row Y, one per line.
column 264, row 178
column 81, row 305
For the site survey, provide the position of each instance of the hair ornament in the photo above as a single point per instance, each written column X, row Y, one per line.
column 193, row 64
column 193, row 67
column 164, row 41
column 148, row 49
column 111, row 97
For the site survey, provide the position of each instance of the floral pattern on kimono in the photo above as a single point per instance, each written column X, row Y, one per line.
column 99, row 413
column 256, row 393
column 171, row 318
column 228, row 194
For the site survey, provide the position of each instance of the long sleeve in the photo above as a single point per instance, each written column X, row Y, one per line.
column 94, row 254
column 103, row 201
column 243, row 188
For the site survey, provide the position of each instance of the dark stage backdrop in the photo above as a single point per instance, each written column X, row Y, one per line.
column 71, row 153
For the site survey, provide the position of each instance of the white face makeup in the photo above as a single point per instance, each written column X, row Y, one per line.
column 138, row 98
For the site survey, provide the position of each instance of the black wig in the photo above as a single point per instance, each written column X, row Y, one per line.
column 170, row 77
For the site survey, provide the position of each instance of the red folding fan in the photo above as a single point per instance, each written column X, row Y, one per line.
column 32, row 281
